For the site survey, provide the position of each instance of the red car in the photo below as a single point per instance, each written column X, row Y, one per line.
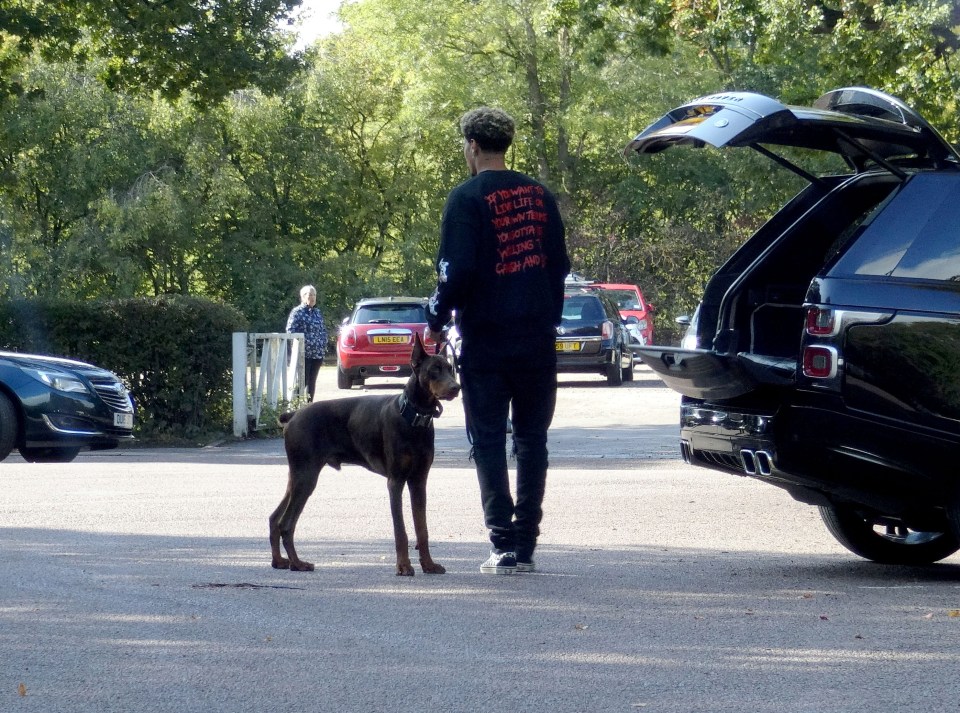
column 629, row 299
column 377, row 339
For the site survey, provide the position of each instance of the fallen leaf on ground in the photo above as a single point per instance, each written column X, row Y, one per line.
column 22, row 690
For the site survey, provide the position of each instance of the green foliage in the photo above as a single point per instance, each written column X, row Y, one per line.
column 336, row 174
column 174, row 353
column 206, row 49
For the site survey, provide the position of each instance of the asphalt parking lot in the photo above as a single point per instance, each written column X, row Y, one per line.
column 139, row 580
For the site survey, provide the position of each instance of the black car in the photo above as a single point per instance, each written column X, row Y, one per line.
column 827, row 348
column 592, row 337
column 50, row 408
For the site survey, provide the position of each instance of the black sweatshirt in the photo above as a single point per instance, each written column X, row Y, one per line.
column 501, row 265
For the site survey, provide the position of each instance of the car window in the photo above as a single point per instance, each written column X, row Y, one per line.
column 625, row 299
column 390, row 314
column 915, row 235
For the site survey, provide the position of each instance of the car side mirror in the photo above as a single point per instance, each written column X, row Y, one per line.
column 345, row 321
column 632, row 319
column 683, row 320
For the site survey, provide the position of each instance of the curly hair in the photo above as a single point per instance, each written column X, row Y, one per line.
column 491, row 128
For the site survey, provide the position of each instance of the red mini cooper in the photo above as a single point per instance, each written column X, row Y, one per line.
column 377, row 339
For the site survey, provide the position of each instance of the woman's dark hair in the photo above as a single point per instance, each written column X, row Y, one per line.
column 491, row 128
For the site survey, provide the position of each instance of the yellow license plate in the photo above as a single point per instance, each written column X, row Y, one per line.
column 568, row 346
column 389, row 340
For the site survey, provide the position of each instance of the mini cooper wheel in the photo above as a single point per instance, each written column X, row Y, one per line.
column 883, row 540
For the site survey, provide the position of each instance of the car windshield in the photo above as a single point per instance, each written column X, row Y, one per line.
column 391, row 314
column 582, row 310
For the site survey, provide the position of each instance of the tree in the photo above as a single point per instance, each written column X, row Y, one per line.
column 206, row 48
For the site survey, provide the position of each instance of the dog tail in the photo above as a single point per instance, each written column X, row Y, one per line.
column 285, row 417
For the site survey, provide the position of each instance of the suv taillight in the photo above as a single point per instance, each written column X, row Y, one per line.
column 820, row 322
column 606, row 330
column 348, row 338
column 819, row 362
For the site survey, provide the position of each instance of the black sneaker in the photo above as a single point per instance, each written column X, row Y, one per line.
column 527, row 566
column 500, row 563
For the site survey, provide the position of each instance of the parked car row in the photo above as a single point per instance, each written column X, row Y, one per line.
column 602, row 324
column 824, row 357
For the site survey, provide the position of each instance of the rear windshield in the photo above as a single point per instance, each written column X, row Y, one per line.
column 914, row 235
column 390, row 314
column 584, row 309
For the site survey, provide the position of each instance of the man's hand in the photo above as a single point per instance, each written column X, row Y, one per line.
column 435, row 336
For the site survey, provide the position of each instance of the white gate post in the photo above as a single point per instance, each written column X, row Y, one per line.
column 239, row 384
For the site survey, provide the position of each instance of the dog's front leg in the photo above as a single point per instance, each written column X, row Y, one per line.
column 395, row 488
column 418, row 503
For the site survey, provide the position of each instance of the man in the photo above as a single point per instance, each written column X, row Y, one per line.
column 501, row 266
column 306, row 318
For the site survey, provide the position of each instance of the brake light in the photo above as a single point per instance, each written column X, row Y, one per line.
column 820, row 322
column 428, row 341
column 819, row 362
column 606, row 330
column 348, row 338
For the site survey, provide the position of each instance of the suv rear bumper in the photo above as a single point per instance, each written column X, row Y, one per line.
column 822, row 454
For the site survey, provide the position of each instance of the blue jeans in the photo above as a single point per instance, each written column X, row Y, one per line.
column 487, row 397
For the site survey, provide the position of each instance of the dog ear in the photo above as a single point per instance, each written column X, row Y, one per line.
column 418, row 351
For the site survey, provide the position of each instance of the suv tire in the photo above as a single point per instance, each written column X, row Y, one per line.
column 9, row 426
column 856, row 532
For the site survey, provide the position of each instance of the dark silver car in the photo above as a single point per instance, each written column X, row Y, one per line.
column 826, row 354
column 50, row 408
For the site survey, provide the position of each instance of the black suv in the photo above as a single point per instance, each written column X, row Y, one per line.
column 592, row 337
column 827, row 358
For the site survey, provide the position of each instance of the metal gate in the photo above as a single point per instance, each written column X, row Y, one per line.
column 268, row 377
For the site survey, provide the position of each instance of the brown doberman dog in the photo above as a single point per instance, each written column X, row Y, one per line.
column 389, row 435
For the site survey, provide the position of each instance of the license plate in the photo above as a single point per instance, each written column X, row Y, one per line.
column 568, row 346
column 123, row 420
column 389, row 340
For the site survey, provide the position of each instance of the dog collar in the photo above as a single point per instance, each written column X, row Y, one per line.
column 415, row 417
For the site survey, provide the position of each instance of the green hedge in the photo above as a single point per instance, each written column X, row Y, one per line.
column 173, row 353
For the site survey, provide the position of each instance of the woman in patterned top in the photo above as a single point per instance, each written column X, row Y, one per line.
column 306, row 319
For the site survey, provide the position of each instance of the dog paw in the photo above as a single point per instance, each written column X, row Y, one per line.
column 404, row 570
column 432, row 568
column 301, row 566
column 280, row 563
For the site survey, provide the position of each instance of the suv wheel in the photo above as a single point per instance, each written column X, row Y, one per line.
column 628, row 372
column 885, row 542
column 49, row 455
column 9, row 426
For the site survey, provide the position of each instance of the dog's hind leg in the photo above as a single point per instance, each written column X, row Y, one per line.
column 418, row 503
column 283, row 521
column 395, row 488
